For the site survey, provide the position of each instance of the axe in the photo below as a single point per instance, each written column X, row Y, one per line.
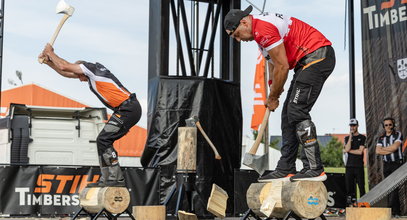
column 62, row 8
column 192, row 122
column 258, row 163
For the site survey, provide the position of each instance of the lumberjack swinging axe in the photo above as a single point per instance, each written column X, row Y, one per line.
column 62, row 8
column 192, row 122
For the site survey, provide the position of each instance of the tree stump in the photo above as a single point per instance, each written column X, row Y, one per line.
column 113, row 199
column 275, row 199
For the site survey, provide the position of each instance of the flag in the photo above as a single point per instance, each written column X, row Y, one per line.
column 260, row 93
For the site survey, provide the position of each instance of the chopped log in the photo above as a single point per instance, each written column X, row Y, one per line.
column 183, row 215
column 149, row 212
column 368, row 213
column 186, row 161
column 264, row 199
column 308, row 199
column 217, row 201
column 276, row 198
column 113, row 199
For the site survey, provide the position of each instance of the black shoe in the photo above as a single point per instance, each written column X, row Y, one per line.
column 111, row 183
column 309, row 175
column 97, row 184
column 275, row 175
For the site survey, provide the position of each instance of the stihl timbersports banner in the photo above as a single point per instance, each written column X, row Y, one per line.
column 384, row 48
column 43, row 190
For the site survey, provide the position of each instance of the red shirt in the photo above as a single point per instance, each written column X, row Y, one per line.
column 298, row 37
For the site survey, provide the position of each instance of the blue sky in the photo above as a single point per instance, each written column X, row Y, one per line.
column 115, row 33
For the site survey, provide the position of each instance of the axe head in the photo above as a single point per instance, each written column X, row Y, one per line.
column 64, row 8
column 256, row 162
column 191, row 122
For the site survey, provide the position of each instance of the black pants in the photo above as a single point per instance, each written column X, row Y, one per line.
column 123, row 118
column 394, row 201
column 355, row 175
column 301, row 96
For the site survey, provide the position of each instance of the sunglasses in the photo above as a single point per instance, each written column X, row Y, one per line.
column 387, row 125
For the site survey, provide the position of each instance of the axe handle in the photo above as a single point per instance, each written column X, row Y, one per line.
column 256, row 144
column 55, row 35
column 217, row 156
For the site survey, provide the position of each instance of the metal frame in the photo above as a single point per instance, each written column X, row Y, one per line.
column 192, row 46
column 1, row 41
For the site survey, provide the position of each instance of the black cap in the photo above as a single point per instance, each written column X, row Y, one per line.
column 353, row 121
column 233, row 17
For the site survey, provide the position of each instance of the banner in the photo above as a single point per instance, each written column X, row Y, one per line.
column 384, row 48
column 46, row 190
column 260, row 93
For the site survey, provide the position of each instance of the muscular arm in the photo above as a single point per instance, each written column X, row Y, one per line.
column 271, row 69
column 280, row 70
column 392, row 147
column 60, row 65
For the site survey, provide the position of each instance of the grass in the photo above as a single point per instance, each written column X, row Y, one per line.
column 342, row 170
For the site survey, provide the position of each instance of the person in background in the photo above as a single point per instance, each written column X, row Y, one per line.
column 389, row 147
column 353, row 149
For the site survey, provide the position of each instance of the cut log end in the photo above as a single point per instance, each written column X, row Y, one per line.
column 113, row 199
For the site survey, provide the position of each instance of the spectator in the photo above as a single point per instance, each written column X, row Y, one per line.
column 389, row 146
column 353, row 149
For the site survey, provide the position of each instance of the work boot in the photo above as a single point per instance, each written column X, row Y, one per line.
column 275, row 175
column 104, row 171
column 309, row 175
column 115, row 177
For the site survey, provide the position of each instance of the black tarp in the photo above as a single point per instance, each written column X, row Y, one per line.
column 217, row 104
column 384, row 48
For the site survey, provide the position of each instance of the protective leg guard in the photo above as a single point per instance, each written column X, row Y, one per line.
column 307, row 137
column 110, row 157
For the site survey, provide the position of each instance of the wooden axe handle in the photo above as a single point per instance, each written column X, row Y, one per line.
column 256, row 144
column 217, row 156
column 55, row 35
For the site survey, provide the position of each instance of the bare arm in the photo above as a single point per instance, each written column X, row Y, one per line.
column 279, row 75
column 280, row 70
column 392, row 147
column 381, row 150
column 271, row 69
column 348, row 144
column 358, row 151
column 60, row 65
column 62, row 73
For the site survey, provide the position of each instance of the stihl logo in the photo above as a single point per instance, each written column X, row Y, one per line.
column 55, row 190
column 390, row 15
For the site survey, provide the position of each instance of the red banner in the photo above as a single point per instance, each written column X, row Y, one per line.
column 260, row 93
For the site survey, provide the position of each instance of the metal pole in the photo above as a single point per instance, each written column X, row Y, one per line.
column 196, row 39
column 1, row 44
column 351, row 59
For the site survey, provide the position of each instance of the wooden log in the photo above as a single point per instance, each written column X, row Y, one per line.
column 368, row 213
column 275, row 199
column 113, row 199
column 149, row 212
column 186, row 161
column 182, row 215
column 264, row 199
column 307, row 199
column 217, row 201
